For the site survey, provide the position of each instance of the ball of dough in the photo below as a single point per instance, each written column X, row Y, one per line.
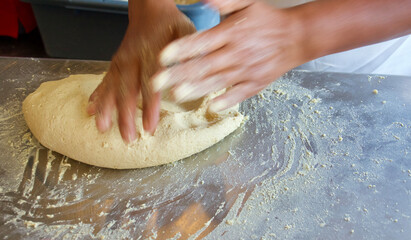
column 56, row 115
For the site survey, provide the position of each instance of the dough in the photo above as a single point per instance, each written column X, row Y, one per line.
column 56, row 115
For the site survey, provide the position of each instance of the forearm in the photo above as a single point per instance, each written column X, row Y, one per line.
column 330, row 26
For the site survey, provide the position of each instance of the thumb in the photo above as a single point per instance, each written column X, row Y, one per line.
column 230, row 6
column 185, row 27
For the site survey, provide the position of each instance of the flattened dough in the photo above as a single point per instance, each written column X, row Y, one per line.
column 56, row 115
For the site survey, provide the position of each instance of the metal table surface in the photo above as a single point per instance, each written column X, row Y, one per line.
column 322, row 156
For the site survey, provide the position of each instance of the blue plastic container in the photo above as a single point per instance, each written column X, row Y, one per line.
column 202, row 15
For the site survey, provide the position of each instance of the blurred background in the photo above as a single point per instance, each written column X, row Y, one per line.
column 79, row 29
column 93, row 29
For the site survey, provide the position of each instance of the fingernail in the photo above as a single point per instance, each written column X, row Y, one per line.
column 160, row 80
column 103, row 123
column 152, row 131
column 106, row 123
column 130, row 136
column 91, row 108
column 217, row 106
column 183, row 91
column 169, row 54
column 147, row 128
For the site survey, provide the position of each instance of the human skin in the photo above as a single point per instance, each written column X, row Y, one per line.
column 257, row 44
column 152, row 25
column 252, row 47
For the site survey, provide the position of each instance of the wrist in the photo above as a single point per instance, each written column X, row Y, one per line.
column 150, row 9
column 305, row 30
column 295, row 36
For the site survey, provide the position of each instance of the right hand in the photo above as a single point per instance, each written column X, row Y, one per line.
column 151, row 27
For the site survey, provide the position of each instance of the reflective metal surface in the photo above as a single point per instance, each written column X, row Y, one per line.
column 322, row 156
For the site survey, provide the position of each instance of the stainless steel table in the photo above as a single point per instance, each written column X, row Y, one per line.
column 322, row 156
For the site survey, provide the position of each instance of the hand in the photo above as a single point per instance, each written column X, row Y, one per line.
column 152, row 26
column 252, row 47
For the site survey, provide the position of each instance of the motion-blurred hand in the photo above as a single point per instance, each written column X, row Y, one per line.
column 252, row 47
column 151, row 27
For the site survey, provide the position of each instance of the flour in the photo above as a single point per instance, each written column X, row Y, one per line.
column 293, row 179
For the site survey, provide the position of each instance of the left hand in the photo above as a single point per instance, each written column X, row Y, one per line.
column 253, row 46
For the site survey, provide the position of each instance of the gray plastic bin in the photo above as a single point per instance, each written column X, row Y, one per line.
column 82, row 29
column 93, row 29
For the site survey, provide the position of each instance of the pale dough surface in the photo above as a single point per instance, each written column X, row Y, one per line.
column 56, row 115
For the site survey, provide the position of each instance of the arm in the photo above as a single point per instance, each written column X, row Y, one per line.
column 333, row 26
column 256, row 44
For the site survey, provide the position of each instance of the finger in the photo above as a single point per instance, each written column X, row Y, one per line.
column 96, row 91
column 234, row 95
column 151, row 111
column 188, row 92
column 193, row 46
column 126, row 107
column 103, row 105
column 182, row 30
column 92, row 106
column 195, row 70
column 230, row 6
column 125, row 97
column 104, row 109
